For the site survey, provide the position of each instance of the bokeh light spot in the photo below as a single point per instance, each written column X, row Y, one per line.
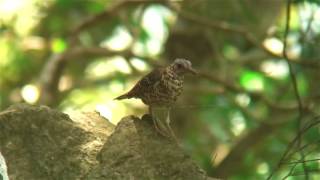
column 252, row 81
column 275, row 69
column 263, row 168
column 104, row 111
column 243, row 100
column 30, row 93
column 139, row 64
column 58, row 45
column 238, row 123
column 119, row 40
column 274, row 45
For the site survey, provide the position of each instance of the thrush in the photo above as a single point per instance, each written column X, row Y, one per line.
column 159, row 90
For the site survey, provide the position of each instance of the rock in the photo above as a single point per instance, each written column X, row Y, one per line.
column 136, row 151
column 41, row 143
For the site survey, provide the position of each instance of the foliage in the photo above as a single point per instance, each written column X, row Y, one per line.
column 236, row 118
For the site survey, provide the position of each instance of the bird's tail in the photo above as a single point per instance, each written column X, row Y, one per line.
column 124, row 96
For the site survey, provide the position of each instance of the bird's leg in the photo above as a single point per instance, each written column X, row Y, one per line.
column 159, row 126
column 169, row 127
column 154, row 119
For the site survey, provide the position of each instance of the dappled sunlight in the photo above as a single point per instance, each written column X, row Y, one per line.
column 116, row 86
column 243, row 100
column 275, row 68
column 154, row 23
column 25, row 14
column 139, row 48
column 104, row 111
column 263, row 168
column 98, row 69
column 10, row 7
column 220, row 152
column 274, row 45
column 252, row 81
column 100, row 101
column 139, row 64
column 238, row 123
column 58, row 45
column 33, row 43
column 65, row 83
column 307, row 11
column 30, row 93
column 79, row 56
column 120, row 64
column 119, row 40
column 106, row 67
column 153, row 47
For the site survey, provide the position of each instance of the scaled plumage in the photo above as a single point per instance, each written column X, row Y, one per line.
column 160, row 89
column 162, row 86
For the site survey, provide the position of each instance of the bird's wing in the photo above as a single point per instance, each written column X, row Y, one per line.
column 147, row 83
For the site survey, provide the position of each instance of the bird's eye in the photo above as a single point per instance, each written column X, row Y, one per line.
column 179, row 66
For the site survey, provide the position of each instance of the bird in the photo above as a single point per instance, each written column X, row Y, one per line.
column 159, row 90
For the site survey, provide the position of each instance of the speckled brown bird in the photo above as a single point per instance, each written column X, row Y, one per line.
column 160, row 89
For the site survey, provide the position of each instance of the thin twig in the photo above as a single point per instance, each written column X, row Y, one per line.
column 294, row 83
column 290, row 172
column 313, row 171
column 285, row 55
column 303, row 148
column 293, row 143
column 305, row 161
column 295, row 88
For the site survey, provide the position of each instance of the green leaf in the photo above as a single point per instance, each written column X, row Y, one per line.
column 58, row 45
column 252, row 81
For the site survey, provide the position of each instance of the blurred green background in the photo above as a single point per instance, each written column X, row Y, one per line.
column 235, row 119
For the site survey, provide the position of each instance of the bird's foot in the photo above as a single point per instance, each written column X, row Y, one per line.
column 172, row 134
column 160, row 128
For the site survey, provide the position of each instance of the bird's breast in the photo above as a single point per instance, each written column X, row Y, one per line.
column 173, row 84
column 164, row 92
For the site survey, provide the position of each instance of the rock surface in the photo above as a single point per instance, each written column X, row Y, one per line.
column 40, row 143
column 136, row 151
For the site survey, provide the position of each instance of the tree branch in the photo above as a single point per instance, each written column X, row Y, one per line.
column 52, row 71
column 229, row 28
column 108, row 13
column 237, row 89
column 222, row 26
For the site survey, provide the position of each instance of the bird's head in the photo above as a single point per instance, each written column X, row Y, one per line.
column 182, row 66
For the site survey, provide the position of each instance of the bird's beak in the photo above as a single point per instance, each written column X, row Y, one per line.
column 192, row 71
